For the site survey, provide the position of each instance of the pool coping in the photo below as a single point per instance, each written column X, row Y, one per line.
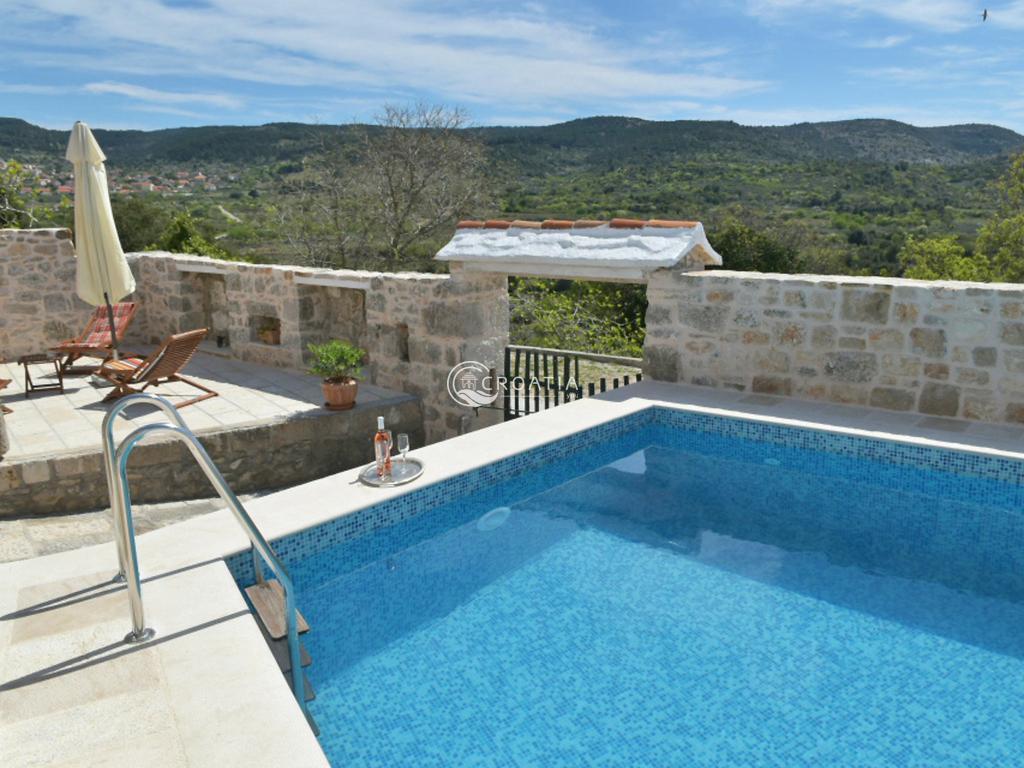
column 173, row 555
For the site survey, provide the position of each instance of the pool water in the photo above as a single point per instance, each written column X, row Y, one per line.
column 694, row 600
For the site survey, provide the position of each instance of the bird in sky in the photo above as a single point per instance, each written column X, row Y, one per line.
column 984, row 15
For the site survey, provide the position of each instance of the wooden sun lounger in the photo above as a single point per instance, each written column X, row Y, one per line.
column 94, row 341
column 162, row 366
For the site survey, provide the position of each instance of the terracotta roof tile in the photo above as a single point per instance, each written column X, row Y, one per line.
column 671, row 224
column 558, row 224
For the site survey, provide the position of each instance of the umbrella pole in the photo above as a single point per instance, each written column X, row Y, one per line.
column 110, row 320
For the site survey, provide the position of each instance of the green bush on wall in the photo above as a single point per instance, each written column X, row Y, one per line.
column 336, row 361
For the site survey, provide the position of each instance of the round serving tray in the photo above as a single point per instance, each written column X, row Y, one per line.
column 402, row 472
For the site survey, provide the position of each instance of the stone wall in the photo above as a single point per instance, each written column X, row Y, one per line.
column 38, row 305
column 331, row 313
column 252, row 458
column 420, row 326
column 942, row 349
column 414, row 326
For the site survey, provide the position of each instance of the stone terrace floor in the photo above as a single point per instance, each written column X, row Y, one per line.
column 37, row 535
column 49, row 423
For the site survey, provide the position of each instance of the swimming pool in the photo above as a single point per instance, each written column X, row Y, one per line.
column 676, row 588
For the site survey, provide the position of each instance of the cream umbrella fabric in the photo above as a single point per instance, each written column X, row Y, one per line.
column 103, row 275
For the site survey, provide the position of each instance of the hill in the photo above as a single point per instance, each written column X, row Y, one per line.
column 590, row 140
column 847, row 194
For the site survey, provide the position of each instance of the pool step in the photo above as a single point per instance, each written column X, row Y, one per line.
column 312, row 724
column 267, row 600
column 280, row 650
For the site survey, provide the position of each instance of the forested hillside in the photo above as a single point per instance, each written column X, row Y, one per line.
column 591, row 141
column 846, row 194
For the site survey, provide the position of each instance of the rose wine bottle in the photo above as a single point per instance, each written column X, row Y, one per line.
column 382, row 450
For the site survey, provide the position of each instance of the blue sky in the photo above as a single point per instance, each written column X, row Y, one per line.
column 152, row 64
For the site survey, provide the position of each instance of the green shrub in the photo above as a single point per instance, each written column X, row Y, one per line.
column 183, row 236
column 746, row 249
column 941, row 258
column 336, row 361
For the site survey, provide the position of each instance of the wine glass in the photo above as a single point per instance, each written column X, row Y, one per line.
column 403, row 445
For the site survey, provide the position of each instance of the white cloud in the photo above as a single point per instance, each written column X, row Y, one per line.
column 921, row 116
column 30, row 89
column 526, row 64
column 908, row 75
column 940, row 15
column 142, row 93
column 946, row 51
column 468, row 53
column 890, row 41
column 158, row 110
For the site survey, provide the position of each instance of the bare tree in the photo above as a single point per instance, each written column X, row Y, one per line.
column 420, row 171
column 383, row 189
column 321, row 216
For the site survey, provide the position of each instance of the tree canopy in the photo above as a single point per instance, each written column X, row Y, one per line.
column 998, row 254
column 16, row 206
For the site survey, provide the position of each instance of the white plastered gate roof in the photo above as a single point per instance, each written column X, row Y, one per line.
column 625, row 250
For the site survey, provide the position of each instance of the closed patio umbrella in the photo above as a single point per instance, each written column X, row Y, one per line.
column 103, row 275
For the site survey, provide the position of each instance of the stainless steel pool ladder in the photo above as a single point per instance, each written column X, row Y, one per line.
column 115, row 459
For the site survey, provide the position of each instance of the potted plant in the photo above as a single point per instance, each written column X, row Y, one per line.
column 339, row 364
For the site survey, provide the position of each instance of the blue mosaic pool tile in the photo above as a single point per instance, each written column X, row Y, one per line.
column 560, row 459
column 672, row 608
column 955, row 474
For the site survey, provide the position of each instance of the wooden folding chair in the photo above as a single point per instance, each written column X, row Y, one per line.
column 94, row 341
column 162, row 366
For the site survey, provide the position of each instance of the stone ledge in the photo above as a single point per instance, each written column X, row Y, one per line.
column 851, row 281
column 256, row 457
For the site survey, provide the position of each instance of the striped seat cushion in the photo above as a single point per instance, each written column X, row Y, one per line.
column 99, row 335
column 126, row 365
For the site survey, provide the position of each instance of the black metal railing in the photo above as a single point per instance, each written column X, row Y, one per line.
column 538, row 378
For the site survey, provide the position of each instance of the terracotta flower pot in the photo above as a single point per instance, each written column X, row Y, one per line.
column 340, row 395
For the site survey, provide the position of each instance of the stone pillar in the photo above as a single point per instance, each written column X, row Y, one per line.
column 420, row 326
column 37, row 290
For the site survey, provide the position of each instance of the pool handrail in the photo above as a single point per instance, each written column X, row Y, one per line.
column 116, row 461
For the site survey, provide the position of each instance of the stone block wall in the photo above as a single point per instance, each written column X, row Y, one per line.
column 173, row 298
column 303, row 448
column 38, row 305
column 420, row 326
column 414, row 326
column 327, row 312
column 941, row 349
